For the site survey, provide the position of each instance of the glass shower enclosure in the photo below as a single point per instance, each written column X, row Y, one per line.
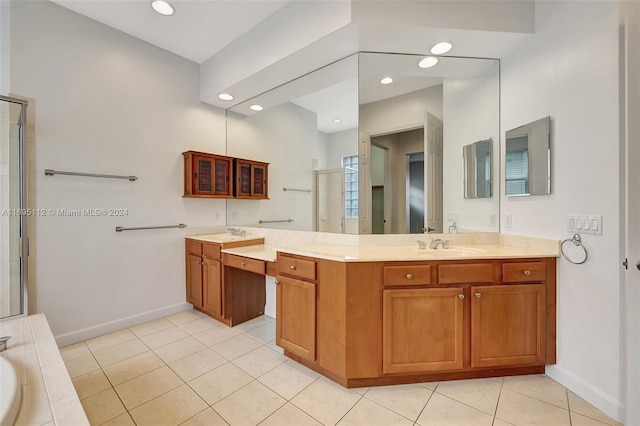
column 13, row 208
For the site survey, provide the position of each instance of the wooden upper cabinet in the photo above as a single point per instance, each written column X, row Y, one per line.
column 207, row 175
column 423, row 330
column 251, row 179
column 507, row 325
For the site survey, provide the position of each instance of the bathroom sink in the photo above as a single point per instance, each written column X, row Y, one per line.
column 455, row 251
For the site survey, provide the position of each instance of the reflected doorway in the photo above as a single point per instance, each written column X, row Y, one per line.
column 330, row 200
column 415, row 193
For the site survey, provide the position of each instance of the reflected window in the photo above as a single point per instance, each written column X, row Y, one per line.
column 517, row 171
column 350, row 165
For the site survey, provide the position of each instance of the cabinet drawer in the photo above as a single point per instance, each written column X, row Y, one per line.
column 522, row 272
column 406, row 275
column 244, row 263
column 299, row 268
column 212, row 251
column 469, row 273
column 194, row 247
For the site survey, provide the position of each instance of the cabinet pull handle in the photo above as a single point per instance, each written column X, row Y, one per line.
column 243, row 263
column 292, row 267
column 478, row 295
column 461, row 296
column 277, row 282
column 409, row 276
column 202, row 263
column 527, row 273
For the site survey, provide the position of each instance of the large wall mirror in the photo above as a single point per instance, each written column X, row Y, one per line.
column 371, row 144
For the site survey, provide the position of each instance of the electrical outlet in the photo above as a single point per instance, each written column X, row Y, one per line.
column 492, row 219
column 507, row 220
column 452, row 217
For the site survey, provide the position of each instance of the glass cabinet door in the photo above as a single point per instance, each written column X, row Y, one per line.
column 259, row 181
column 203, row 175
column 221, row 178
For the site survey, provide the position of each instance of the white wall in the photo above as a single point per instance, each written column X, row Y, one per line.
column 108, row 103
column 341, row 144
column 401, row 112
column 470, row 114
column 285, row 136
column 569, row 70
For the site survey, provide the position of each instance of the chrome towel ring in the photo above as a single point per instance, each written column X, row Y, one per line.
column 577, row 241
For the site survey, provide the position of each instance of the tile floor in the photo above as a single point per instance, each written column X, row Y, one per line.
column 187, row 369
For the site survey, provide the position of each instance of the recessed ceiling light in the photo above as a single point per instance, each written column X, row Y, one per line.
column 386, row 80
column 337, row 120
column 441, row 48
column 256, row 107
column 428, row 62
column 225, row 96
column 162, row 7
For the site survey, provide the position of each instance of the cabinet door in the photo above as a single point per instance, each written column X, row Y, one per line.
column 422, row 330
column 243, row 179
column 507, row 325
column 222, row 173
column 212, row 283
column 259, row 181
column 203, row 175
column 194, row 280
column 296, row 317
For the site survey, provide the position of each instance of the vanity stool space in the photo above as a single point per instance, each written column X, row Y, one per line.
column 228, row 288
column 391, row 322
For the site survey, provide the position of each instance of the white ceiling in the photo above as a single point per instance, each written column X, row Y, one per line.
column 196, row 31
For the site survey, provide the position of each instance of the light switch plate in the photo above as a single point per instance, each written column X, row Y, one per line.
column 584, row 224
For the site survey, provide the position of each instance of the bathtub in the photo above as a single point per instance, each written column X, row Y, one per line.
column 10, row 393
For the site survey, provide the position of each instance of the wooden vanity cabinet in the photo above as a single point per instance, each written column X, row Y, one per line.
column 382, row 323
column 207, row 175
column 204, row 279
column 296, row 306
column 251, row 179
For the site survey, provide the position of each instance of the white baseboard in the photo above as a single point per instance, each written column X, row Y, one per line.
column 115, row 325
column 594, row 396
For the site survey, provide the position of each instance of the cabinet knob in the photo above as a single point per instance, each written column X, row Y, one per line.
column 527, row 273
column 202, row 263
column 461, row 296
column 292, row 267
column 277, row 282
column 409, row 276
column 243, row 263
column 478, row 295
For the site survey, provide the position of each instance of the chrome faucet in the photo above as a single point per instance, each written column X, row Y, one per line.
column 3, row 343
column 453, row 228
column 237, row 232
column 435, row 242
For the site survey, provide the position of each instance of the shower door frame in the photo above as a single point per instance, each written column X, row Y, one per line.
column 22, row 205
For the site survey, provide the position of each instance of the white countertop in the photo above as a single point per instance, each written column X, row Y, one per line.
column 223, row 238
column 344, row 253
column 258, row 251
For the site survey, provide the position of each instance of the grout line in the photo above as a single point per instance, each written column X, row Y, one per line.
column 495, row 412
column 390, row 409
